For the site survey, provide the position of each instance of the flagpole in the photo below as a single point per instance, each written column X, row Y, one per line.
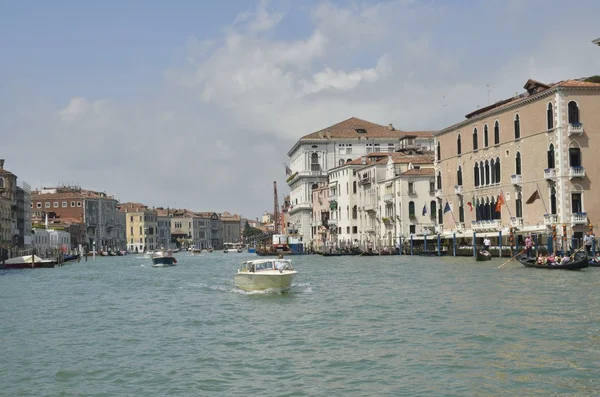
column 507, row 206
column 541, row 196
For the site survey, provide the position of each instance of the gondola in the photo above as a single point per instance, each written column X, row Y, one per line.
column 341, row 253
column 483, row 256
column 593, row 263
column 580, row 261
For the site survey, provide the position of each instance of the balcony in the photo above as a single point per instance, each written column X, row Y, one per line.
column 331, row 222
column 579, row 218
column 550, row 219
column 316, row 172
column 458, row 189
column 365, row 179
column 485, row 225
column 549, row 173
column 301, row 206
column 369, row 229
column 575, row 129
column 388, row 198
column 460, row 226
column 516, row 222
column 438, row 193
column 316, row 223
column 516, row 179
column 333, row 204
column 370, row 206
column 576, row 172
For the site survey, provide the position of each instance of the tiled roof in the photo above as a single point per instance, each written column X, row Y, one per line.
column 419, row 172
column 75, row 194
column 401, row 158
column 420, row 134
column 350, row 129
column 132, row 207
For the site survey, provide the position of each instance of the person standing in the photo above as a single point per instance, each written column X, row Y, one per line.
column 587, row 241
column 528, row 245
column 486, row 244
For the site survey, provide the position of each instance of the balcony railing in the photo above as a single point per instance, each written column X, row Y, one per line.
column 332, row 222
column 516, row 179
column 579, row 218
column 485, row 225
column 576, row 172
column 312, row 173
column 550, row 219
column 365, row 180
column 458, row 189
column 370, row 206
column 575, row 129
column 369, row 229
column 516, row 222
column 549, row 173
column 438, row 192
column 388, row 198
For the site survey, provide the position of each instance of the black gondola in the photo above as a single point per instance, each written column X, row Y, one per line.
column 483, row 256
column 580, row 261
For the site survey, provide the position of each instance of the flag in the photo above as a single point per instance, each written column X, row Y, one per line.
column 470, row 206
column 288, row 171
column 447, row 207
column 533, row 197
column 500, row 202
column 424, row 209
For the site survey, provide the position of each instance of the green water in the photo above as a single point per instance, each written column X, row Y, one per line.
column 351, row 326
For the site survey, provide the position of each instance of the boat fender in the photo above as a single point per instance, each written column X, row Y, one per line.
column 174, row 260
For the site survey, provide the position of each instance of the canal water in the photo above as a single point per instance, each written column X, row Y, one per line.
column 351, row 326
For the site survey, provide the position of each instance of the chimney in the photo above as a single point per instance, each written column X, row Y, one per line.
column 363, row 160
column 328, row 134
column 1, row 164
column 391, row 127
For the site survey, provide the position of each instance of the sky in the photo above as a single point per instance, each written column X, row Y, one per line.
column 196, row 104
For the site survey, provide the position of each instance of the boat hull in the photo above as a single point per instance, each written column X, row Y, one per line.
column 580, row 262
column 164, row 261
column 36, row 265
column 481, row 257
column 271, row 280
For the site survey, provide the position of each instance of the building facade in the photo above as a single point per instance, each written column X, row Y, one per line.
column 9, row 232
column 534, row 153
column 163, row 235
column 141, row 225
column 232, row 227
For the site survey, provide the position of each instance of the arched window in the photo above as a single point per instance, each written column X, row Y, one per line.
column 487, row 172
column 497, row 169
column 574, row 157
column 573, row 113
column 486, row 210
column 439, row 180
column 314, row 186
column 485, row 136
column 517, row 126
column 519, row 205
column 475, row 138
column 492, row 214
column 553, row 201
column 496, row 133
column 411, row 209
column 458, row 145
column 341, row 162
column 492, row 173
column 439, row 155
column 551, row 163
column 461, row 211
column 354, row 187
column 314, row 162
column 354, row 212
column 459, row 176
column 477, row 205
column 348, row 160
column 1, row 183
column 476, row 174
column 518, row 164
column 481, row 174
column 432, row 208
column 550, row 116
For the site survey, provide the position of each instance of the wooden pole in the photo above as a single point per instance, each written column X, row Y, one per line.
column 502, row 265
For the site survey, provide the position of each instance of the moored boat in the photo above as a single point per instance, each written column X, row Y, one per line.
column 265, row 274
column 579, row 261
column 163, row 259
column 28, row 262
column 483, row 256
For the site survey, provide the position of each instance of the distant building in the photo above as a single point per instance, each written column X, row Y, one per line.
column 232, row 227
column 163, row 237
column 24, row 207
column 9, row 234
column 141, row 226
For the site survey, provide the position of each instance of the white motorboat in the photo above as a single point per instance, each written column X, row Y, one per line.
column 27, row 262
column 163, row 259
column 265, row 274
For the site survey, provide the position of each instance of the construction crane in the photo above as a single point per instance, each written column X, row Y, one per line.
column 275, row 209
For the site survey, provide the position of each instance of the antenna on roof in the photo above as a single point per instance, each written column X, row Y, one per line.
column 488, row 92
column 444, row 101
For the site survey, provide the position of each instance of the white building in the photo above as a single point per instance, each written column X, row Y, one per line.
column 315, row 154
column 45, row 240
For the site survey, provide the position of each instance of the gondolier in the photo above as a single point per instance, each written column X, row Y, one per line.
column 587, row 241
column 486, row 244
column 528, row 245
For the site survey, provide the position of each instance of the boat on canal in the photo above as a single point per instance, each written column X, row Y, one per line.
column 579, row 261
column 163, row 259
column 265, row 274
column 28, row 262
column 483, row 256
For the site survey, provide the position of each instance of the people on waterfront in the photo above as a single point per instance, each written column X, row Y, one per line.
column 486, row 244
column 528, row 245
column 587, row 241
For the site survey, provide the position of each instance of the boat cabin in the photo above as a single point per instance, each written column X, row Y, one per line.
column 266, row 264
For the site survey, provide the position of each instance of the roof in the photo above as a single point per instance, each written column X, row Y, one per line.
column 535, row 90
column 401, row 158
column 84, row 194
column 132, row 207
column 419, row 172
column 419, row 134
column 354, row 128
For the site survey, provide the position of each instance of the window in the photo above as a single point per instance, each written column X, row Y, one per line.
column 459, row 176
column 518, row 164
column 413, row 229
column 550, row 116
column 439, row 180
column 517, row 126
column 348, row 150
column 481, row 174
column 496, row 133
column 519, row 205
column 492, row 173
column 458, row 145
column 475, row 138
column 79, row 203
column 341, row 162
column 354, row 229
column 1, row 183
column 576, row 204
column 47, row 204
column 355, row 212
column 487, row 172
column 476, row 174
column 461, row 211
column 485, row 136
column 497, row 169
column 573, row 113
column 411, row 209
column 72, row 204
column 553, row 201
column 39, row 205
column 64, row 204
column 574, row 157
column 432, row 208
column 439, row 155
column 131, row 230
column 314, row 162
column 551, row 157
column 354, row 187
column 411, row 188
column 55, row 204
column 431, row 186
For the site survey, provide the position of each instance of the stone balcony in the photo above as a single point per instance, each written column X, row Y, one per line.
column 550, row 219
column 370, row 206
column 579, row 218
column 516, row 179
column 332, row 222
column 438, row 192
column 575, row 129
column 516, row 222
column 549, row 173
column 388, row 198
column 458, row 189
column 576, row 172
column 485, row 225
column 369, row 229
column 365, row 180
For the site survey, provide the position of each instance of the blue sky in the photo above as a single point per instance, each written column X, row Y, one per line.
column 195, row 104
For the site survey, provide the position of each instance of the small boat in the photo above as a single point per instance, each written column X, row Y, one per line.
column 483, row 256
column 112, row 253
column 265, row 274
column 28, row 262
column 163, row 259
column 580, row 261
column 594, row 263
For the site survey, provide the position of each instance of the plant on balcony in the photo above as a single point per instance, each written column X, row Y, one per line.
column 291, row 177
column 386, row 220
